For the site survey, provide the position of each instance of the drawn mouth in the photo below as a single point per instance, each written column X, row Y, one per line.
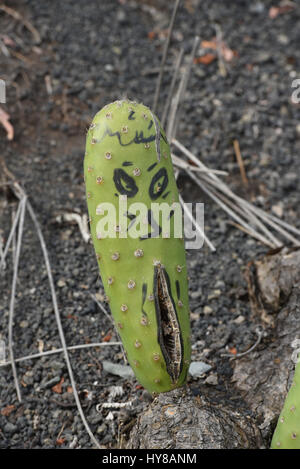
column 169, row 332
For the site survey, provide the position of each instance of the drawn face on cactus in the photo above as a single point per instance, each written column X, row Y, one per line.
column 144, row 276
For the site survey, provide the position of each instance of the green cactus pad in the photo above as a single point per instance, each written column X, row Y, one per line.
column 128, row 160
column 287, row 432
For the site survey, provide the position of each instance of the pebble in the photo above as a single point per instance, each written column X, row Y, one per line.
column 214, row 294
column 51, row 382
column 239, row 320
column 194, row 295
column 10, row 428
column 207, row 310
column 24, row 324
column 212, row 379
column 197, row 369
column 61, row 283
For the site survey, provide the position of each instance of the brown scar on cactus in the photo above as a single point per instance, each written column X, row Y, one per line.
column 169, row 334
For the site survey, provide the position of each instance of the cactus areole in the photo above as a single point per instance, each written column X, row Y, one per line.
column 128, row 172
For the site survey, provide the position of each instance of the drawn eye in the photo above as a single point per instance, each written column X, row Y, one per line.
column 158, row 184
column 124, row 183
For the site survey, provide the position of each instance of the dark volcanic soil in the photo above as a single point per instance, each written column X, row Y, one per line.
column 89, row 54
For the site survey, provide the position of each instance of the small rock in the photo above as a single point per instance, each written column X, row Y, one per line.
column 239, row 319
column 194, row 295
column 283, row 39
column 214, row 294
column 61, row 283
column 207, row 310
column 212, row 379
column 51, row 382
column 10, row 428
column 23, row 324
column 197, row 369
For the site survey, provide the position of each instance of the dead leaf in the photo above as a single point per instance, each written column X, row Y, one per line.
column 275, row 11
column 6, row 411
column 57, row 387
column 151, row 35
column 226, row 52
column 107, row 337
column 205, row 59
column 209, row 44
column 4, row 120
column 60, row 441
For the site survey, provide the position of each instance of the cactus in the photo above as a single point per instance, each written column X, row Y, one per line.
column 143, row 267
column 287, row 432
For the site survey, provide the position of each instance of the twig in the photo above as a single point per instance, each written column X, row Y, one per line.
column 164, row 57
column 13, row 294
column 239, row 158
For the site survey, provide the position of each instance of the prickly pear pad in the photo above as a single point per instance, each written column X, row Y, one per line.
column 287, row 432
column 128, row 161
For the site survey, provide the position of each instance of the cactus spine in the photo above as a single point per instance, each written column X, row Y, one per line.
column 287, row 432
column 128, row 162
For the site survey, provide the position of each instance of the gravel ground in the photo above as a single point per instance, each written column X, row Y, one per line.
column 89, row 54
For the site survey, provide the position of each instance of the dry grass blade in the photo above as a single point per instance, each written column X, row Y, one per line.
column 13, row 295
column 249, row 209
column 180, row 163
column 230, row 212
column 242, row 209
column 60, row 350
column 102, row 309
column 219, row 41
column 59, row 325
column 197, row 226
column 10, row 236
column 172, row 87
column 164, row 57
column 174, row 112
